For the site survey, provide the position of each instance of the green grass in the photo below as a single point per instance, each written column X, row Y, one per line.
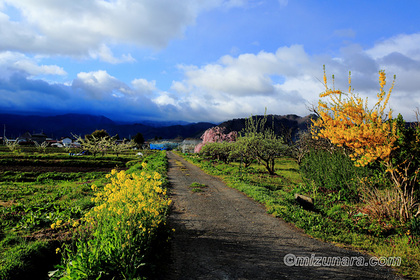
column 197, row 187
column 334, row 219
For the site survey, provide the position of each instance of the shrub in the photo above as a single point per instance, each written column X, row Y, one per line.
column 333, row 171
column 219, row 151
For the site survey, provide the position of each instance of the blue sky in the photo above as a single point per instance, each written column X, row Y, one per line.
column 202, row 60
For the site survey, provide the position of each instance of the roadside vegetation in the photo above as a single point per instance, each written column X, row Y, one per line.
column 358, row 164
column 48, row 198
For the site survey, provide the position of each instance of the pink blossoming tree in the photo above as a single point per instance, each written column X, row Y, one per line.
column 215, row 135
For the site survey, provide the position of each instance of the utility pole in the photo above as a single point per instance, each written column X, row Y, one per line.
column 4, row 135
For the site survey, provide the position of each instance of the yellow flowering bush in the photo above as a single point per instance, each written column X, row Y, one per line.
column 128, row 214
column 346, row 121
column 371, row 134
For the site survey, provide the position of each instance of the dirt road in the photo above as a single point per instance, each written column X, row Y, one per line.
column 222, row 234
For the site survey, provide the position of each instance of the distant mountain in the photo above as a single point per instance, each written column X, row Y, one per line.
column 81, row 124
column 163, row 123
column 287, row 126
column 192, row 130
column 53, row 126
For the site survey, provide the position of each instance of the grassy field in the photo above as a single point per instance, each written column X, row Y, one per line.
column 332, row 219
column 42, row 195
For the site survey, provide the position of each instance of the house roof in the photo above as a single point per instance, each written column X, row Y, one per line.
column 42, row 134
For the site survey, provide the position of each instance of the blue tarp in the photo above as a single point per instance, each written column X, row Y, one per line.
column 163, row 146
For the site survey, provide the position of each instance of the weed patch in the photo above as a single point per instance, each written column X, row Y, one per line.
column 197, row 187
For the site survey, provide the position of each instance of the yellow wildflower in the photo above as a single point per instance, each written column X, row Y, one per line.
column 157, row 176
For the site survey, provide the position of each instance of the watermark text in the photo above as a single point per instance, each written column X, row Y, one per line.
column 313, row 260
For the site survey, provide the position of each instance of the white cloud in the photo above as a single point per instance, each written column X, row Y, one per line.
column 80, row 27
column 144, row 86
column 400, row 56
column 406, row 44
column 248, row 74
column 10, row 62
column 166, row 98
column 105, row 54
column 246, row 84
column 179, row 87
column 99, row 84
column 34, row 69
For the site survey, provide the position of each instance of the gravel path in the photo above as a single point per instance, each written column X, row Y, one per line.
column 222, row 234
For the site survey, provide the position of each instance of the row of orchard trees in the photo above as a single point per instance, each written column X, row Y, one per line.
column 100, row 142
column 255, row 142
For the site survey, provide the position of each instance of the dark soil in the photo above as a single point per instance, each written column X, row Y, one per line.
column 222, row 234
column 62, row 169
